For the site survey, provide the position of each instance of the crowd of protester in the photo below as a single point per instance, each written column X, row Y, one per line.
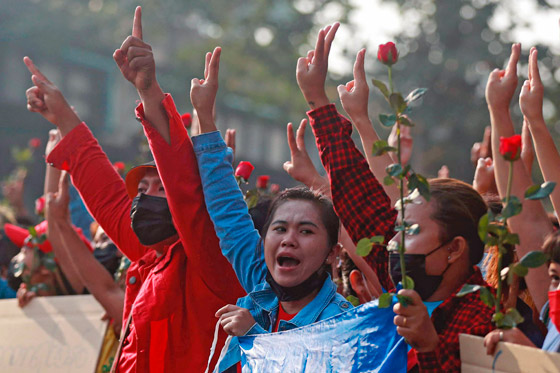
column 175, row 249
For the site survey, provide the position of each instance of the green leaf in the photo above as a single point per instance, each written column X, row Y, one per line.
column 252, row 198
column 32, row 231
column 415, row 95
column 413, row 229
column 533, row 259
column 397, row 102
column 467, row 289
column 498, row 318
column 388, row 180
column 511, row 239
column 377, row 240
column 540, row 192
column 385, row 300
column 387, row 120
column 515, row 316
column 512, row 208
column 381, row 147
column 364, row 246
column 404, row 300
column 408, row 282
column 394, row 170
column 382, row 87
column 405, row 121
column 486, row 297
column 417, row 181
column 520, row 270
column 354, row 300
column 483, row 227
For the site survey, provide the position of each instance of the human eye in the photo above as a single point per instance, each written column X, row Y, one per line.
column 279, row 229
column 307, row 231
column 141, row 190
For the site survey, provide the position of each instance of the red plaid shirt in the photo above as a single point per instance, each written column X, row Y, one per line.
column 365, row 211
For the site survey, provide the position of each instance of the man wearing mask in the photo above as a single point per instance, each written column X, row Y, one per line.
column 178, row 278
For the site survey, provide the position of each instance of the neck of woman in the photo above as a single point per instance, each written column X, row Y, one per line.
column 293, row 307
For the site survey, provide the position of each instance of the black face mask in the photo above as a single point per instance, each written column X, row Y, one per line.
column 151, row 219
column 108, row 257
column 288, row 294
column 425, row 285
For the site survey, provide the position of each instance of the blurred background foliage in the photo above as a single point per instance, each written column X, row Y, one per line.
column 446, row 46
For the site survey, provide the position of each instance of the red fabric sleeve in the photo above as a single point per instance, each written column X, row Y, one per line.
column 100, row 186
column 178, row 169
column 359, row 200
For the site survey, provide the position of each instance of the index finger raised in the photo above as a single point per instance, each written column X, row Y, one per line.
column 33, row 69
column 137, row 23
column 513, row 59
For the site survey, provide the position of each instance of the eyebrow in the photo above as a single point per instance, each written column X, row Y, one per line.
column 300, row 223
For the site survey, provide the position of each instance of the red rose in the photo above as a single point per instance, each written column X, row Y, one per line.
column 274, row 188
column 262, row 181
column 35, row 142
column 187, row 119
column 40, row 206
column 244, row 170
column 119, row 166
column 387, row 53
column 510, row 147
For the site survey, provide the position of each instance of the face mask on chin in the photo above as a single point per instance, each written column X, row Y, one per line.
column 151, row 219
column 425, row 285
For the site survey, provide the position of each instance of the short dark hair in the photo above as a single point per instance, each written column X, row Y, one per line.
column 551, row 247
column 458, row 208
column 328, row 216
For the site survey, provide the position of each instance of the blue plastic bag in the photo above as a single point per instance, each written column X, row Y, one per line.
column 363, row 339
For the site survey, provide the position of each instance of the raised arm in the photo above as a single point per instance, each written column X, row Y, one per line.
column 531, row 101
column 176, row 163
column 239, row 240
column 91, row 273
column 301, row 169
column 499, row 92
column 359, row 200
column 354, row 98
column 100, row 186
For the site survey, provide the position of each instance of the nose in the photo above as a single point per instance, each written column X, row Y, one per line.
column 288, row 240
column 153, row 189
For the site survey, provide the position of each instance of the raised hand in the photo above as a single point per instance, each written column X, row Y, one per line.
column 406, row 143
column 230, row 140
column 57, row 203
column 46, row 99
column 532, row 92
column 482, row 149
column 135, row 57
column 484, row 180
column 502, row 83
column 203, row 91
column 235, row 320
column 311, row 71
column 354, row 95
column 300, row 167
column 527, row 151
column 443, row 172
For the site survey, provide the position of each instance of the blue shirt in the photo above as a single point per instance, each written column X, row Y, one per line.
column 242, row 245
column 552, row 339
column 6, row 292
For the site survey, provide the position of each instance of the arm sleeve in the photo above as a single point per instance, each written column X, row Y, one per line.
column 359, row 200
column 100, row 187
column 178, row 170
column 240, row 242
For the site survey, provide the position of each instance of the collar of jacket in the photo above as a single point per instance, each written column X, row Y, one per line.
column 267, row 301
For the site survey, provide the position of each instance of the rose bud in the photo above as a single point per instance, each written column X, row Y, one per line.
column 274, row 188
column 387, row 53
column 510, row 147
column 35, row 142
column 262, row 181
column 187, row 119
column 119, row 167
column 40, row 206
column 244, row 170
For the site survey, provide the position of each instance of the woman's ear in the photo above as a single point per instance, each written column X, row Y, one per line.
column 333, row 254
column 456, row 249
column 358, row 284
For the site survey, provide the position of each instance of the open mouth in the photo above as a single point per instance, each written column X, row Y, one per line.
column 287, row 261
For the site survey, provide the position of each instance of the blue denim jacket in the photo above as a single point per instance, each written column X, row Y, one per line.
column 241, row 244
